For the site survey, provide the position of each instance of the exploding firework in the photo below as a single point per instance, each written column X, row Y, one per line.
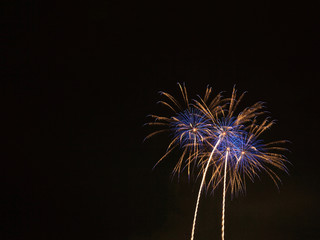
column 211, row 134
column 238, row 153
column 191, row 129
column 188, row 126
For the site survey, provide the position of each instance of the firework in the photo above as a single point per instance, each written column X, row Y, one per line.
column 191, row 130
column 211, row 134
column 188, row 126
column 238, row 152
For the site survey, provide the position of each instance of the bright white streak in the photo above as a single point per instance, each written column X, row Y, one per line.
column 224, row 194
column 201, row 185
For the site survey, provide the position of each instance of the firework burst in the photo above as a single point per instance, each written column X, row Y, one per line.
column 238, row 152
column 191, row 129
column 188, row 126
column 211, row 134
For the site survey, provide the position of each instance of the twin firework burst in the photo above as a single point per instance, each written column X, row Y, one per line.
column 211, row 135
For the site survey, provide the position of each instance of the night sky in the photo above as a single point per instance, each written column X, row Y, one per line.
column 78, row 80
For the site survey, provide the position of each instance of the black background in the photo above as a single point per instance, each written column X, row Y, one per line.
column 78, row 80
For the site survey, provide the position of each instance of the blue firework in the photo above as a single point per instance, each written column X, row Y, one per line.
column 189, row 127
column 192, row 128
column 239, row 136
column 210, row 132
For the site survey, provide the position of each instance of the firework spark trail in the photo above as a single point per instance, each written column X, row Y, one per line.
column 200, row 189
column 224, row 194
